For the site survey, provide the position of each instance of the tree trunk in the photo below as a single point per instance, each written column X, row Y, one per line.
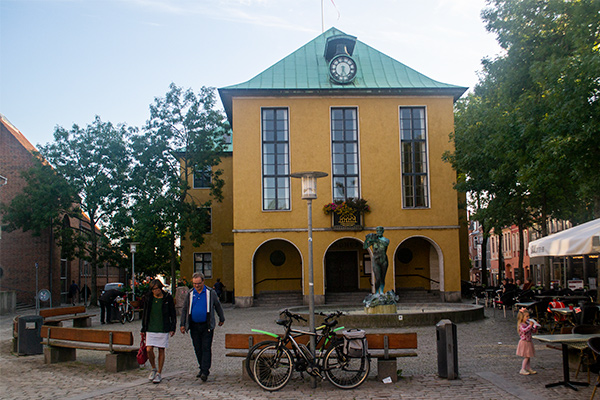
column 173, row 266
column 521, row 254
column 500, row 257
column 484, row 267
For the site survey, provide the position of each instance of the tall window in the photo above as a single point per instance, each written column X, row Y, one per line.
column 203, row 263
column 413, row 140
column 202, row 178
column 276, row 159
column 344, row 153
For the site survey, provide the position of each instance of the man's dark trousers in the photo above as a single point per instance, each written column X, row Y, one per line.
column 202, row 339
column 105, row 308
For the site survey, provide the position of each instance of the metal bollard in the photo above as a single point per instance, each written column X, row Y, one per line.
column 447, row 349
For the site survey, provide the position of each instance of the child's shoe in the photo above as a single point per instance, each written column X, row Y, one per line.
column 531, row 372
column 523, row 372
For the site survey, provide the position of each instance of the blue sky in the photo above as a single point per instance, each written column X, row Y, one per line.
column 65, row 61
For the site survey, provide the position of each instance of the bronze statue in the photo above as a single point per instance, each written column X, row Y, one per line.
column 380, row 259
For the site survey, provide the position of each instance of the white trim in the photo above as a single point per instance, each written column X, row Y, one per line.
column 429, row 200
column 262, row 176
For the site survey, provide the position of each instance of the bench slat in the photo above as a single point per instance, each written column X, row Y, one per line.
column 52, row 312
column 68, row 317
column 90, row 346
column 392, row 353
column 87, row 335
column 241, row 340
column 395, row 340
column 375, row 340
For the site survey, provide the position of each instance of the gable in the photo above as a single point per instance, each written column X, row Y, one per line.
column 305, row 72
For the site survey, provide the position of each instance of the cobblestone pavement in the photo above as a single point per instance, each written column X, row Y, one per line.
column 488, row 369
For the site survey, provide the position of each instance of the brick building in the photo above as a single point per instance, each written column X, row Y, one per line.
column 20, row 251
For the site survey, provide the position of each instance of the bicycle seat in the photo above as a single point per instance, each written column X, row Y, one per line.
column 331, row 324
column 282, row 322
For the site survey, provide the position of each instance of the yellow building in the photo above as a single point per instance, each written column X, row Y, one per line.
column 378, row 129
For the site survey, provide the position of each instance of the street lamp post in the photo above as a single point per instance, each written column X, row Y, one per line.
column 133, row 249
column 309, row 193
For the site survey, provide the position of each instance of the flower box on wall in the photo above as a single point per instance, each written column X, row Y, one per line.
column 348, row 214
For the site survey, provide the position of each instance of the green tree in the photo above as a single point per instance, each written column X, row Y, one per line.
column 526, row 138
column 185, row 133
column 95, row 161
column 44, row 202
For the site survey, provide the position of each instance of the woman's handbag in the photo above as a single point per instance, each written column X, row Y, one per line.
column 142, row 355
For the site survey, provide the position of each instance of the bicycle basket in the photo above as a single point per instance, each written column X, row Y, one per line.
column 355, row 343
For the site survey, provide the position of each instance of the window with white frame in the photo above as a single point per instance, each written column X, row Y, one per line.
column 344, row 153
column 203, row 263
column 413, row 142
column 275, row 159
column 202, row 178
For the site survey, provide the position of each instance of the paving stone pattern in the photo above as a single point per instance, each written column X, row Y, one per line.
column 488, row 369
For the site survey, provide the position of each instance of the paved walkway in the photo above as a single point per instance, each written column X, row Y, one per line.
column 488, row 369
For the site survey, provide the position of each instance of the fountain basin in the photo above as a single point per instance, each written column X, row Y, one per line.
column 407, row 314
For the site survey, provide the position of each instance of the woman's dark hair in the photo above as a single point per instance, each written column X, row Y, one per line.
column 156, row 283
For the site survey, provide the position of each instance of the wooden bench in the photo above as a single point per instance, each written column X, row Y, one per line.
column 62, row 344
column 385, row 347
column 56, row 316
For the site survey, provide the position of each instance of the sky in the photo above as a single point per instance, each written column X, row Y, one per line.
column 62, row 62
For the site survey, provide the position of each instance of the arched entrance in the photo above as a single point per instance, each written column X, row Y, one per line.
column 417, row 264
column 277, row 267
column 345, row 267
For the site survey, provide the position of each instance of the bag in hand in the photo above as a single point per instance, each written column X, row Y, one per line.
column 142, row 355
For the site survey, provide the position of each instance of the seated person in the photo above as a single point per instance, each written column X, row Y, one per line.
column 528, row 284
column 557, row 304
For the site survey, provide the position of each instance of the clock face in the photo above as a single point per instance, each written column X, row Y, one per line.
column 342, row 69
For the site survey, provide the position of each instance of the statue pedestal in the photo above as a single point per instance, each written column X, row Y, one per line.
column 384, row 309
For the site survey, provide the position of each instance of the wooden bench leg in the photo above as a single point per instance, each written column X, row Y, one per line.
column 53, row 355
column 117, row 362
column 387, row 368
column 245, row 376
column 82, row 322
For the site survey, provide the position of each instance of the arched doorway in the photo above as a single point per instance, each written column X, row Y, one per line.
column 417, row 264
column 345, row 267
column 277, row 267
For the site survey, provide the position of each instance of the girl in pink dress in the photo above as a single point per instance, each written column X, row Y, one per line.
column 526, row 327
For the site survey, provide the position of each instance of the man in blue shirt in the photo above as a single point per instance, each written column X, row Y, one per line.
column 198, row 317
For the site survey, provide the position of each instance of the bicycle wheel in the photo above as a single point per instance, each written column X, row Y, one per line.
column 343, row 371
column 121, row 314
column 129, row 313
column 252, row 354
column 273, row 367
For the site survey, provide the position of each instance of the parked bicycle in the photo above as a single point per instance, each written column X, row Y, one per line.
column 275, row 362
column 125, row 309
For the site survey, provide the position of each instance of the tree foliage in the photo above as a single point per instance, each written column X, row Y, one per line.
column 95, row 162
column 43, row 203
column 185, row 133
column 527, row 142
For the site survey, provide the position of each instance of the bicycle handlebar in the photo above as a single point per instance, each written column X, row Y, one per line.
column 290, row 315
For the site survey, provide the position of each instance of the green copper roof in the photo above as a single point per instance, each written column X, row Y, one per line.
column 307, row 71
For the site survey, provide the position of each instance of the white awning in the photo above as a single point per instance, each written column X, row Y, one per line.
column 579, row 240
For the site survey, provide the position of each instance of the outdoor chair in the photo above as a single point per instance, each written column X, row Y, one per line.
column 586, row 356
column 588, row 315
column 594, row 345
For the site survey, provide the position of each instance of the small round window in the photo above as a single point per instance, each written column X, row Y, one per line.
column 277, row 258
column 405, row 256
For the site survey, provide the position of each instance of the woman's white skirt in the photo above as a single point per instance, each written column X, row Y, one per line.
column 157, row 339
